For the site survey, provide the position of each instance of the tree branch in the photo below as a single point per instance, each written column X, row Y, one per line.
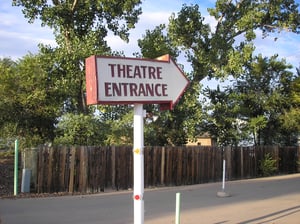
column 55, row 2
column 74, row 5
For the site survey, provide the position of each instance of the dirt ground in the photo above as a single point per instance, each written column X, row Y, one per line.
column 6, row 175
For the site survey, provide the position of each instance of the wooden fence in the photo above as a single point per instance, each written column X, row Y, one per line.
column 94, row 169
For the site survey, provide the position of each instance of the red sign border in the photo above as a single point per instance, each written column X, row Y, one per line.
column 92, row 82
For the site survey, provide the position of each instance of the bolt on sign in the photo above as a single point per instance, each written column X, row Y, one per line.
column 119, row 80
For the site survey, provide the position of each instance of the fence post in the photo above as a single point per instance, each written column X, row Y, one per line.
column 113, row 167
column 72, row 171
column 229, row 161
column 298, row 161
column 276, row 156
column 83, row 169
column 62, row 168
column 162, row 174
column 242, row 162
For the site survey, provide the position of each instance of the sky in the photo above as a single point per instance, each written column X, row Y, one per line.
column 18, row 37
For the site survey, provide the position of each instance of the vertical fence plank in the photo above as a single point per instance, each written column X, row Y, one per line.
column 162, row 166
column 49, row 173
column 40, row 171
column 168, row 172
column 55, row 170
column 198, row 166
column 242, row 162
column 205, row 170
column 147, row 161
column 62, row 168
column 179, row 163
column 113, row 167
column 101, row 169
column 228, row 163
column 298, row 159
column 67, row 169
column 155, row 167
column 187, row 166
column 202, row 164
column 83, row 169
column 193, row 158
column 128, row 167
column 72, row 169
column 122, row 161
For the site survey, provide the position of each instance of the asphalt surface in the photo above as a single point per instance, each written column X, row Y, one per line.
column 263, row 200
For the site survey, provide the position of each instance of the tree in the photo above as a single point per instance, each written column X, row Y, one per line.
column 80, row 129
column 118, row 123
column 79, row 28
column 264, row 95
column 120, row 131
column 221, row 117
column 290, row 119
column 256, row 101
column 155, row 43
column 28, row 105
column 173, row 127
column 214, row 52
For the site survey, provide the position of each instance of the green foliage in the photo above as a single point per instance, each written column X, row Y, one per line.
column 256, row 124
column 267, row 165
column 37, row 92
column 80, row 129
column 7, row 154
column 173, row 127
column 263, row 94
column 254, row 105
column 155, row 43
column 80, row 28
column 290, row 119
column 118, row 121
column 221, row 117
column 28, row 108
column 120, row 131
column 214, row 52
column 78, row 18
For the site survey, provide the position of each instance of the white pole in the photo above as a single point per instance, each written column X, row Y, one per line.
column 16, row 165
column 177, row 215
column 223, row 193
column 223, row 183
column 138, row 164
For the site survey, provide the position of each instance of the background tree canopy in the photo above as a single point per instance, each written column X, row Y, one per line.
column 44, row 94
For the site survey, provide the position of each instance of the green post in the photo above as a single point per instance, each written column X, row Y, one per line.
column 16, row 168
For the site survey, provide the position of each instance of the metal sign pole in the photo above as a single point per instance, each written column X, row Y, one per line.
column 138, row 164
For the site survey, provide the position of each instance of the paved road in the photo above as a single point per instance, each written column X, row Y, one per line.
column 265, row 200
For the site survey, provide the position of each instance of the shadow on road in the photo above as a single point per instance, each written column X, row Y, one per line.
column 274, row 216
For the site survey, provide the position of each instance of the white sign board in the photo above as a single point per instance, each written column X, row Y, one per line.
column 117, row 80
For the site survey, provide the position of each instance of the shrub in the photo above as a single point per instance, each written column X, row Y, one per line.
column 267, row 165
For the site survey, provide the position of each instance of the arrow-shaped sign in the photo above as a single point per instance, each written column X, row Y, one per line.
column 119, row 80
